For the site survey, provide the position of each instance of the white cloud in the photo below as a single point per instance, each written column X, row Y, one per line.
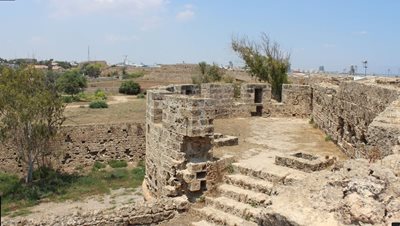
column 187, row 14
column 67, row 8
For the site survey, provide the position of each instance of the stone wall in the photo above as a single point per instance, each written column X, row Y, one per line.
column 345, row 111
column 148, row 213
column 81, row 146
column 296, row 102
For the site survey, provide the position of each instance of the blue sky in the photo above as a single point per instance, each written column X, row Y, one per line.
column 335, row 33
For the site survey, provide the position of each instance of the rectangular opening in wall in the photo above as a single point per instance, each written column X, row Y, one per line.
column 203, row 185
column 201, row 175
column 258, row 95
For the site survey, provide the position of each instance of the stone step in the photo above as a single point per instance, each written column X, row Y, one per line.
column 228, row 205
column 245, row 196
column 273, row 173
column 222, row 218
column 249, row 183
column 203, row 223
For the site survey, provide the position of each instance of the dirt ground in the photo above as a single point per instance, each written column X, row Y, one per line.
column 121, row 109
column 94, row 203
column 283, row 134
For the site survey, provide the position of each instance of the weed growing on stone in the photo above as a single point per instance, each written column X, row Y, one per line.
column 230, row 169
column 328, row 138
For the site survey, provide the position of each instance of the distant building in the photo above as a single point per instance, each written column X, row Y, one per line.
column 321, row 69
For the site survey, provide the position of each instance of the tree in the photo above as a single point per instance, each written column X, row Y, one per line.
column 208, row 73
column 265, row 61
column 31, row 113
column 92, row 70
column 71, row 82
column 129, row 87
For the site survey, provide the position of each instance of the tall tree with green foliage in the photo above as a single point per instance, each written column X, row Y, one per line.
column 71, row 82
column 31, row 113
column 264, row 60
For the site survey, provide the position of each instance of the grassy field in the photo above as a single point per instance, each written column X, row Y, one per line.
column 133, row 110
column 55, row 186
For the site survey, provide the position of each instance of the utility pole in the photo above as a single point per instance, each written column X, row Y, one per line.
column 88, row 53
column 365, row 63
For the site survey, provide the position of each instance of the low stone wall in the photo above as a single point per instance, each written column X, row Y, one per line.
column 81, row 146
column 147, row 213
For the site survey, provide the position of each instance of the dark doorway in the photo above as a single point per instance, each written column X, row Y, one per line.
column 258, row 96
column 259, row 110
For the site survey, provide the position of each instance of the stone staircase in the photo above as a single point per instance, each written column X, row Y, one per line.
column 244, row 196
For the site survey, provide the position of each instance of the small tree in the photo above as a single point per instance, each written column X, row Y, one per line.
column 265, row 60
column 208, row 73
column 31, row 113
column 92, row 70
column 129, row 87
column 71, row 82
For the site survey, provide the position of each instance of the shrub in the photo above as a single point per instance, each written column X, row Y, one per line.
column 98, row 104
column 117, row 163
column 67, row 99
column 130, row 88
column 98, row 165
column 141, row 96
column 100, row 95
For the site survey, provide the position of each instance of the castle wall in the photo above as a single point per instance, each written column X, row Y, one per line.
column 81, row 146
column 345, row 112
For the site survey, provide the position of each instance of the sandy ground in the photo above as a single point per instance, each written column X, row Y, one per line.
column 94, row 203
column 274, row 134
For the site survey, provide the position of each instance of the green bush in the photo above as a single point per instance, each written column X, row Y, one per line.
column 117, row 163
column 130, row 88
column 141, row 96
column 100, row 95
column 98, row 165
column 98, row 104
column 67, row 99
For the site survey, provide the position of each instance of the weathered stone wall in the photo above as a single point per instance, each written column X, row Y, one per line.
column 148, row 213
column 296, row 102
column 345, row 111
column 182, row 135
column 223, row 95
column 82, row 145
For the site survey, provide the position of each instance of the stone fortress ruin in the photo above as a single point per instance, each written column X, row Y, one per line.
column 229, row 154
column 361, row 117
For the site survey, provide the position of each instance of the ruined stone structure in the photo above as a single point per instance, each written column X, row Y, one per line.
column 81, row 146
column 180, row 133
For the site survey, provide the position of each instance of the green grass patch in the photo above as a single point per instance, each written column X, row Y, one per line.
column 98, row 104
column 98, row 165
column 117, row 163
column 132, row 75
column 328, row 138
column 57, row 186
